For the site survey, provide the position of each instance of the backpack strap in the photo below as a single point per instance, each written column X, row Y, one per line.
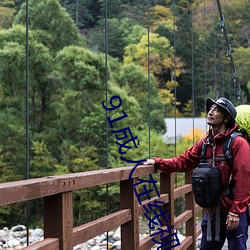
column 203, row 155
column 203, row 152
column 217, row 207
column 227, row 148
column 227, row 151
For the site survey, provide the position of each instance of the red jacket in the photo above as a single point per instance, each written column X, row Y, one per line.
column 241, row 167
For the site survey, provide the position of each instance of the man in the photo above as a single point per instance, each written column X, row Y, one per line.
column 221, row 115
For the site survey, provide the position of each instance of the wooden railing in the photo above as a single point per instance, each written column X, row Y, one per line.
column 56, row 192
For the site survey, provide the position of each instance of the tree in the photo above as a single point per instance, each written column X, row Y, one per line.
column 42, row 163
column 242, row 65
column 132, row 78
column 161, row 57
column 53, row 25
column 13, row 150
column 237, row 16
column 157, row 148
column 118, row 31
column 79, row 99
column 12, row 58
column 6, row 17
column 161, row 63
column 40, row 60
column 84, row 13
column 161, row 16
column 132, row 9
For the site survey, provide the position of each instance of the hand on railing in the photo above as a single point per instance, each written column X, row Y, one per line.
column 148, row 162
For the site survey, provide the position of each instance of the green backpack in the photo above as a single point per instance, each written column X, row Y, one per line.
column 243, row 120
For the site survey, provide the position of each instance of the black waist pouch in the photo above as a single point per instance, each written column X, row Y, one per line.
column 206, row 183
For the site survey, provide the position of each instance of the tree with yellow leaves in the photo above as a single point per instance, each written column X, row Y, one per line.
column 161, row 63
column 6, row 14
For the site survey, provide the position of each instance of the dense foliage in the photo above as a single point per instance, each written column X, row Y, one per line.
column 74, row 64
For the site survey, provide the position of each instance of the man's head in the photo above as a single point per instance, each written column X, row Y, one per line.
column 225, row 107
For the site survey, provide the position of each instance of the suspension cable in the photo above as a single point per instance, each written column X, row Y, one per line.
column 174, row 76
column 27, row 207
column 221, row 68
column 27, row 88
column 175, row 88
column 205, row 50
column 229, row 83
column 106, row 82
column 149, row 120
column 192, row 77
column 229, row 53
column 215, row 52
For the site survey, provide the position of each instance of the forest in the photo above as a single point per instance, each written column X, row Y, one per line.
column 162, row 58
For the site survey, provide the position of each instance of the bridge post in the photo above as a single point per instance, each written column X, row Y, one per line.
column 167, row 187
column 190, row 205
column 130, row 230
column 58, row 219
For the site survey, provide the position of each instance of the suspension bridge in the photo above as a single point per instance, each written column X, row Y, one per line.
column 56, row 192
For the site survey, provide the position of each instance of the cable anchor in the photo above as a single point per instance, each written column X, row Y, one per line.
column 222, row 24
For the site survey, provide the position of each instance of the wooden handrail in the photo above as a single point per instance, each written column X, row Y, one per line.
column 58, row 207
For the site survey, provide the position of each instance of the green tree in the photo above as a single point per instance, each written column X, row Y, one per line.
column 117, row 31
column 6, row 17
column 12, row 113
column 78, row 105
column 13, row 148
column 13, row 60
column 84, row 13
column 53, row 25
column 42, row 163
column 135, row 82
column 156, row 148
column 241, row 56
column 161, row 57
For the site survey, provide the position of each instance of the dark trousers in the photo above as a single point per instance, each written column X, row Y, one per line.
column 237, row 238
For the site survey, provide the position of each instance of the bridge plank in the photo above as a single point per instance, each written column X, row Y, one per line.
column 99, row 177
column 185, row 189
column 90, row 230
column 24, row 190
column 46, row 244
column 148, row 243
column 185, row 244
column 163, row 198
column 182, row 218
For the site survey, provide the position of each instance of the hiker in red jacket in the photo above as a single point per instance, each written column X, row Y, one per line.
column 221, row 115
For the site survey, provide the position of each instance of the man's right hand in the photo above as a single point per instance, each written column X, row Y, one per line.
column 149, row 162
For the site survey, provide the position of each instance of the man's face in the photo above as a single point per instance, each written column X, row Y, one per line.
column 215, row 116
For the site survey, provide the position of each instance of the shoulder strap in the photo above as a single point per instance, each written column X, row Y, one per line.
column 227, row 148
column 203, row 152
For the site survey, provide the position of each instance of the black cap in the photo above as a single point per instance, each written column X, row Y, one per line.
column 223, row 103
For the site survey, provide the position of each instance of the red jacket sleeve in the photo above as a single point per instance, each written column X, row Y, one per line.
column 185, row 162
